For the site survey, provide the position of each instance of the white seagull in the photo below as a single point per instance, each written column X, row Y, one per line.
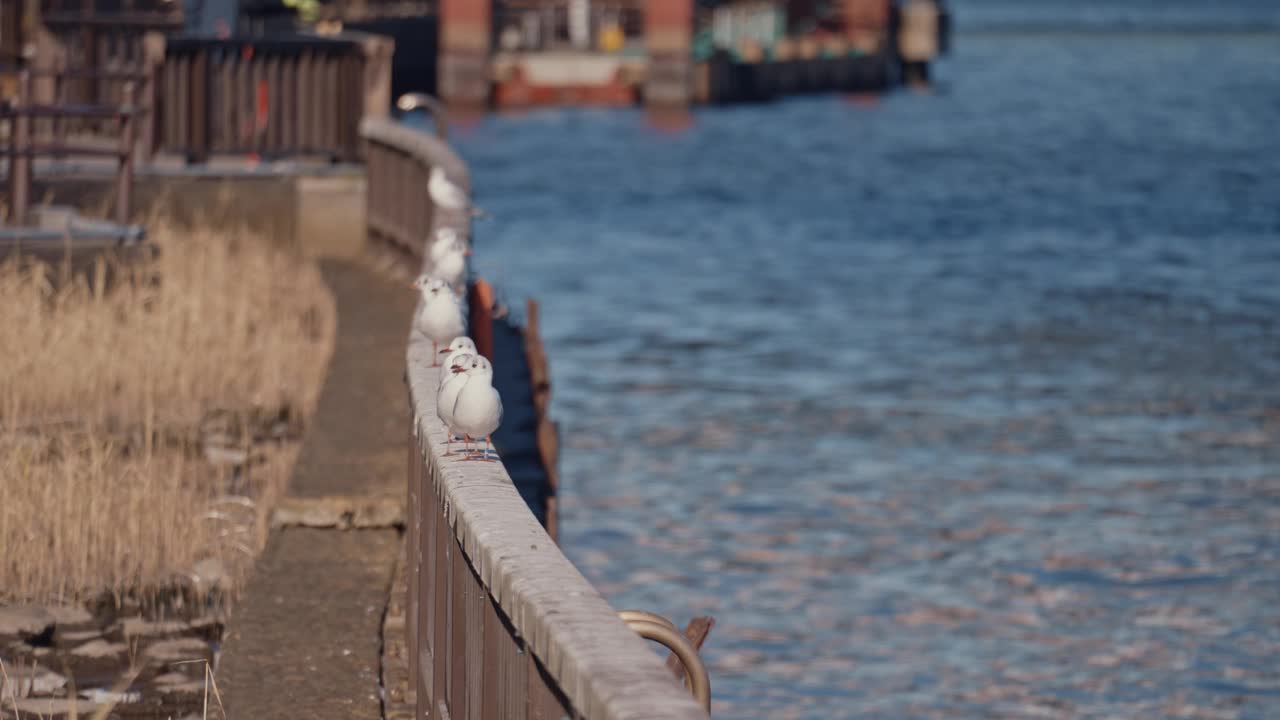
column 446, row 194
column 478, row 410
column 459, row 346
column 449, row 256
column 439, row 315
column 451, row 382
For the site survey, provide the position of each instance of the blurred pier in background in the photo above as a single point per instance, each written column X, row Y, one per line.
column 508, row 54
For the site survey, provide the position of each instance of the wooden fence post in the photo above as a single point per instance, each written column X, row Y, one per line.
column 152, row 97
column 128, row 129
column 20, row 153
column 198, row 133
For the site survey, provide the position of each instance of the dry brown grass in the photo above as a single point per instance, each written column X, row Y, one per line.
column 102, row 398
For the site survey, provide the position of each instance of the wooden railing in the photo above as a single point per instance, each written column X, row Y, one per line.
column 500, row 623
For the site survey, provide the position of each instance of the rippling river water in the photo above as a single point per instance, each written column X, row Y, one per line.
column 963, row 404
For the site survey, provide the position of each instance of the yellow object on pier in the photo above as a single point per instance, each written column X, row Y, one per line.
column 612, row 38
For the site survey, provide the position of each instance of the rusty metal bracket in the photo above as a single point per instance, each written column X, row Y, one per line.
column 654, row 627
column 629, row 616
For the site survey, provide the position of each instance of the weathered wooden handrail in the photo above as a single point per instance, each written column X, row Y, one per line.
column 500, row 623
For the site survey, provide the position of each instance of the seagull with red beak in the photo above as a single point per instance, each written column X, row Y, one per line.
column 459, row 346
column 451, row 382
column 478, row 410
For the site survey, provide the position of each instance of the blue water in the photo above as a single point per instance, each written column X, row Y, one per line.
column 962, row 404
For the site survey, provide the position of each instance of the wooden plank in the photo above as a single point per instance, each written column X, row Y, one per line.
column 413, row 551
column 456, row 658
column 506, row 697
column 480, row 326
column 476, row 659
column 427, row 587
column 546, row 434
column 440, row 645
column 546, row 702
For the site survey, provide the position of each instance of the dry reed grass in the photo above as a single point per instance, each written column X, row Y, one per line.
column 103, row 388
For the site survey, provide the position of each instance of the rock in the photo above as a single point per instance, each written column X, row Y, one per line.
column 99, row 649
column 36, row 680
column 217, row 455
column 25, row 621
column 107, row 697
column 209, row 574
column 47, row 707
column 340, row 512
column 178, row 649
column 178, row 683
column 138, row 627
column 69, row 615
column 79, row 635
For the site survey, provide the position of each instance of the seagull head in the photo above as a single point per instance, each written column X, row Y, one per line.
column 462, row 342
column 479, row 367
column 430, row 287
column 461, row 363
column 448, row 241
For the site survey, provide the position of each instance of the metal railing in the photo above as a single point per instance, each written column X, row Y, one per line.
column 26, row 144
column 284, row 96
column 273, row 97
column 92, row 43
column 499, row 623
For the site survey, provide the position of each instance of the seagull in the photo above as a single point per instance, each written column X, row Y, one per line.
column 449, row 256
column 439, row 315
column 451, row 382
column 459, row 346
column 446, row 194
column 478, row 410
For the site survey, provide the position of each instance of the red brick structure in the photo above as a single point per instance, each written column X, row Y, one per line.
column 867, row 23
column 668, row 28
column 465, row 31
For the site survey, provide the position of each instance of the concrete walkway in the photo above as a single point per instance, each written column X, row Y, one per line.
column 305, row 640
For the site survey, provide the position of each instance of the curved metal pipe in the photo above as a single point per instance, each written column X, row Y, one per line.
column 629, row 615
column 694, row 670
column 409, row 102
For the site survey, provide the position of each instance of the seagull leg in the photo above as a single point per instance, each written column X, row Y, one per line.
column 487, row 442
column 435, row 354
column 448, row 438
